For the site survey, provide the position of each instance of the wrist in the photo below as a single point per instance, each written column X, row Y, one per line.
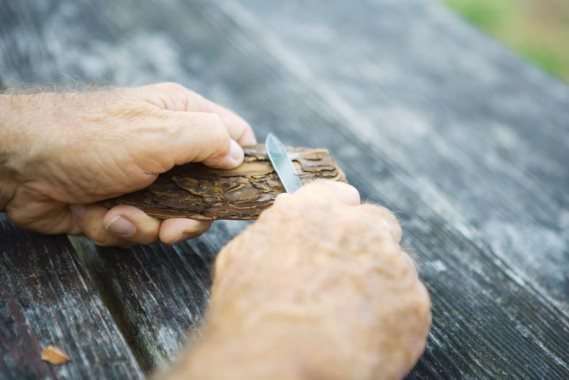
column 8, row 141
column 19, row 142
column 281, row 348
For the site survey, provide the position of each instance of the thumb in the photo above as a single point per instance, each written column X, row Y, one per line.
column 228, row 158
column 200, row 137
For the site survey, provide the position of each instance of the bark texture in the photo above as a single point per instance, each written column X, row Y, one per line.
column 197, row 192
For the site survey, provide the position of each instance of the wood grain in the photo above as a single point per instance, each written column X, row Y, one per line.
column 45, row 300
column 198, row 192
column 160, row 292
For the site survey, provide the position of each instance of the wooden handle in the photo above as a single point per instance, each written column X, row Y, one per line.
column 198, row 192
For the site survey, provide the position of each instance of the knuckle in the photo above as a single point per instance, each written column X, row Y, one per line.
column 423, row 299
column 218, row 134
column 398, row 264
column 170, row 132
column 379, row 212
column 386, row 219
column 406, row 269
column 213, row 121
column 172, row 87
column 408, row 263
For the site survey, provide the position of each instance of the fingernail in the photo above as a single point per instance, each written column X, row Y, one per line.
column 236, row 152
column 121, row 227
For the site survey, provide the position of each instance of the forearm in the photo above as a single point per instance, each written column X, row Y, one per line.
column 63, row 152
column 25, row 137
column 15, row 133
column 301, row 342
column 9, row 141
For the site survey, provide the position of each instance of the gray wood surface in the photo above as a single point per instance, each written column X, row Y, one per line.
column 45, row 299
column 159, row 292
column 467, row 144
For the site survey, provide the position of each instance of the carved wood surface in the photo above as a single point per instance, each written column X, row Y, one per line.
column 197, row 192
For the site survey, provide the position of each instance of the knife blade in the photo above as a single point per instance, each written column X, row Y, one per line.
column 282, row 163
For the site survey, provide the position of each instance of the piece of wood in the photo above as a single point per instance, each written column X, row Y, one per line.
column 54, row 355
column 46, row 299
column 198, row 192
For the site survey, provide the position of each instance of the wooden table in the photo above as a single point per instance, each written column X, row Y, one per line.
column 465, row 142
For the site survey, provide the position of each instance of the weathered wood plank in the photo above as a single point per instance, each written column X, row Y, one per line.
column 407, row 127
column 161, row 291
column 45, row 299
column 486, row 134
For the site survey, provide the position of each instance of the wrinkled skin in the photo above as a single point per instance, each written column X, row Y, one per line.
column 317, row 288
column 61, row 152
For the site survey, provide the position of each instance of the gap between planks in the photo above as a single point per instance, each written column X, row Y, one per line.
column 86, row 254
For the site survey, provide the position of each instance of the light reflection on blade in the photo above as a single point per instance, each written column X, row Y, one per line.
column 282, row 163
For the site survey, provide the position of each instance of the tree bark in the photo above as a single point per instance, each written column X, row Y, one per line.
column 197, row 192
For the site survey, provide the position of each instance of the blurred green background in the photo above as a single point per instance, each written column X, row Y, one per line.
column 537, row 29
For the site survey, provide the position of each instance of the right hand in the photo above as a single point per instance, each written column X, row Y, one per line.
column 318, row 287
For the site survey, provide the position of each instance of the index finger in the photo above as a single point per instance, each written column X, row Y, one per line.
column 175, row 97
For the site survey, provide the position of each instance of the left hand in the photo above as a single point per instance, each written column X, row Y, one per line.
column 62, row 152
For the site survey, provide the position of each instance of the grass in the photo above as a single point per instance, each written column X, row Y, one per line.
column 537, row 29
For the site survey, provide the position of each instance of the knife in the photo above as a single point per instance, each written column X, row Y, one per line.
column 282, row 164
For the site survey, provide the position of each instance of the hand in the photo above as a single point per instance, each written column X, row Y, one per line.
column 317, row 288
column 62, row 152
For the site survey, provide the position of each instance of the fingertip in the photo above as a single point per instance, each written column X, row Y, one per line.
column 240, row 130
column 177, row 229
column 248, row 138
column 131, row 224
column 89, row 220
column 120, row 226
column 230, row 160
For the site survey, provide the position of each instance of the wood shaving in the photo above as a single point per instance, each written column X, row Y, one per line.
column 54, row 355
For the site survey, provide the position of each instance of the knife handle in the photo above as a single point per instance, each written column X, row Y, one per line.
column 198, row 192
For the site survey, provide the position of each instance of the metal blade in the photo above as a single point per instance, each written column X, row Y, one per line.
column 282, row 163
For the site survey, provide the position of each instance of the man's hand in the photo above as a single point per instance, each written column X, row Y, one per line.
column 317, row 288
column 62, row 152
